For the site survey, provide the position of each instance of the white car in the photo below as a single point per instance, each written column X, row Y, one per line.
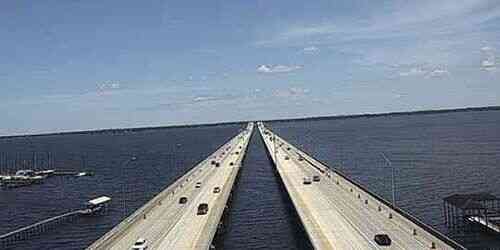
column 140, row 244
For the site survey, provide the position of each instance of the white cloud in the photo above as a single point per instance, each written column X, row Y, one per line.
column 292, row 92
column 311, row 49
column 413, row 72
column 108, row 86
column 488, row 59
column 277, row 68
column 425, row 70
column 439, row 72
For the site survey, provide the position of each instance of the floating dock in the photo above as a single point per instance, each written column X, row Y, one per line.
column 176, row 218
column 338, row 213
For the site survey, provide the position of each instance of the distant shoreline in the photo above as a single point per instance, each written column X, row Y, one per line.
column 312, row 118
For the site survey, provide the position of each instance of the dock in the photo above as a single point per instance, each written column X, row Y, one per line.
column 339, row 213
column 174, row 219
column 93, row 207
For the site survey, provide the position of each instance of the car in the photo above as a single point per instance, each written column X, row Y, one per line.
column 316, row 178
column 202, row 209
column 216, row 190
column 382, row 239
column 287, row 158
column 301, row 158
column 217, row 164
column 213, row 162
column 183, row 200
column 198, row 185
column 231, row 163
column 307, row 181
column 140, row 244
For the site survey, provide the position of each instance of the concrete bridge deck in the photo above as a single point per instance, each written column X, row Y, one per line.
column 167, row 224
column 338, row 213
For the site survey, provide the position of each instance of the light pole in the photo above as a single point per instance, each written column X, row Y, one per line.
column 392, row 179
column 125, row 164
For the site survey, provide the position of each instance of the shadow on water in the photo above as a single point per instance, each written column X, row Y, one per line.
column 262, row 215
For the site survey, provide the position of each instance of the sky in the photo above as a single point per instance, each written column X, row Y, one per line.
column 71, row 65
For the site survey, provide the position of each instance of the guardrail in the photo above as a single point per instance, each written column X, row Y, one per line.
column 27, row 231
column 402, row 219
column 119, row 229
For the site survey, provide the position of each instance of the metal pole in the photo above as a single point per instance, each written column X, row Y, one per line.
column 392, row 180
column 124, row 165
column 274, row 148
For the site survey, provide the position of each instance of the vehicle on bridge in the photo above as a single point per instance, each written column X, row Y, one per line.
column 202, row 209
column 383, row 239
column 183, row 200
column 307, row 180
column 140, row 244
column 216, row 190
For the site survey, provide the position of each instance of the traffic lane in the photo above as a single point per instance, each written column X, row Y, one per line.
column 146, row 228
column 355, row 210
column 337, row 229
column 185, row 232
column 190, row 224
column 173, row 208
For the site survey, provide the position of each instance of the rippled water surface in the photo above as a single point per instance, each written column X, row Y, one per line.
column 434, row 155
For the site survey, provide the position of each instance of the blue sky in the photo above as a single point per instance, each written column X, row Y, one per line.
column 77, row 65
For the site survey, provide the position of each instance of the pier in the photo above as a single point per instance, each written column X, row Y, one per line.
column 187, row 214
column 94, row 206
column 338, row 213
column 462, row 211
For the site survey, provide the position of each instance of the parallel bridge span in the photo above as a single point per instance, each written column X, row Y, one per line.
column 167, row 223
column 338, row 213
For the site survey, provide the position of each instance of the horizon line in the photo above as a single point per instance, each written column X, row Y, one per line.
column 225, row 123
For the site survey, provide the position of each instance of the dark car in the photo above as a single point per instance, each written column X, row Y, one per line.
column 382, row 239
column 202, row 209
column 217, row 164
column 216, row 190
column 307, row 181
column 183, row 200
column 316, row 178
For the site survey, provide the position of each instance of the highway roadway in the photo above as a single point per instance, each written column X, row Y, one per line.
column 167, row 224
column 337, row 214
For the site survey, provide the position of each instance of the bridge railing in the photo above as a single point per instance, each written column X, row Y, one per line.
column 225, row 194
column 119, row 229
column 27, row 231
column 404, row 220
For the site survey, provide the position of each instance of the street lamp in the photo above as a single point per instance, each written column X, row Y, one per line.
column 123, row 165
column 392, row 179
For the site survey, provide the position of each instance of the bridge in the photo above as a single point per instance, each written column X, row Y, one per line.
column 173, row 218
column 337, row 212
